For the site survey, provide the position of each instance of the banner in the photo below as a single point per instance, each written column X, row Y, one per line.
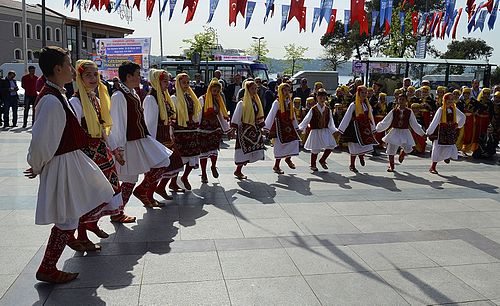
column 388, row 17
column 383, row 7
column 296, row 10
column 374, row 21
column 269, row 9
column 451, row 22
column 150, row 5
column 480, row 21
column 493, row 16
column 235, row 7
column 213, row 7
column 331, row 23
column 358, row 14
column 302, row 21
column 454, row 32
column 163, row 7
column 250, row 9
column 402, row 16
column 347, row 17
column 111, row 52
column 326, row 10
column 415, row 22
column 316, row 15
column 172, row 7
column 191, row 6
column 284, row 16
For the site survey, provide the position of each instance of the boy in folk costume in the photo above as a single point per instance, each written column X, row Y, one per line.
column 357, row 128
column 399, row 120
column 320, row 120
column 93, row 115
column 214, row 123
column 186, row 127
column 282, row 125
column 445, row 127
column 159, row 113
column 71, row 184
column 134, row 149
column 248, row 120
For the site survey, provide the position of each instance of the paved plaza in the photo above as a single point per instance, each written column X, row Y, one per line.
column 302, row 238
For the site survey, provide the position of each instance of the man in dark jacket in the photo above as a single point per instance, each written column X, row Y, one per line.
column 231, row 93
column 10, row 98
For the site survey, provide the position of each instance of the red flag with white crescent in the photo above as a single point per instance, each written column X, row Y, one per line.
column 358, row 14
column 138, row 4
column 150, row 4
column 191, row 9
column 414, row 22
column 104, row 3
column 296, row 9
column 94, row 3
column 331, row 23
column 454, row 32
column 302, row 21
column 235, row 7
column 471, row 7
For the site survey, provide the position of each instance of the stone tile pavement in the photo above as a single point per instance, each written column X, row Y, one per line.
column 302, row 238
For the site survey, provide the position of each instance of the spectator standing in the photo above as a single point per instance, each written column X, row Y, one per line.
column 218, row 76
column 10, row 98
column 199, row 86
column 231, row 93
column 28, row 83
column 475, row 91
column 302, row 92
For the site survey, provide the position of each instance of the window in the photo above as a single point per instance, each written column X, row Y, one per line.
column 84, row 40
column 30, row 55
column 57, row 35
column 38, row 32
column 17, row 29
column 29, row 35
column 48, row 33
column 18, row 54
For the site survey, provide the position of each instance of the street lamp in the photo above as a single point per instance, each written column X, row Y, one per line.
column 258, row 50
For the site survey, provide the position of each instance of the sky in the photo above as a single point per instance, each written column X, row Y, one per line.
column 174, row 31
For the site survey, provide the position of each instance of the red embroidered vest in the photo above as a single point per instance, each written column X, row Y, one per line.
column 73, row 137
column 320, row 120
column 401, row 118
column 136, row 126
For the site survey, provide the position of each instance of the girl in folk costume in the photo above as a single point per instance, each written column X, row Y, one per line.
column 444, row 128
column 134, row 149
column 94, row 116
column 399, row 120
column 357, row 128
column 71, row 184
column 214, row 123
column 248, row 119
column 320, row 120
column 159, row 113
column 282, row 125
column 186, row 127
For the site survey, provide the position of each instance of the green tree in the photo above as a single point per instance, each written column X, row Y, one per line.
column 495, row 77
column 259, row 51
column 204, row 43
column 468, row 49
column 294, row 55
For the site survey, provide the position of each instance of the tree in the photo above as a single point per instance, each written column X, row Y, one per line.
column 495, row 76
column 294, row 54
column 259, row 51
column 468, row 49
column 204, row 43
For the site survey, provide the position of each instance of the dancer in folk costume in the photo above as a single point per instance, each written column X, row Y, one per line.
column 71, row 184
column 248, row 120
column 420, row 140
column 445, row 128
column 282, row 126
column 357, row 128
column 399, row 120
column 159, row 113
column 186, row 127
column 320, row 120
column 93, row 115
column 214, row 123
column 477, row 120
column 133, row 147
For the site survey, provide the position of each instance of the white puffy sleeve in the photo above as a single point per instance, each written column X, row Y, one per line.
column 118, row 135
column 271, row 116
column 347, row 118
column 415, row 126
column 151, row 112
column 385, row 123
column 46, row 133
column 77, row 107
column 331, row 124
column 237, row 116
column 303, row 124
column 435, row 122
column 460, row 118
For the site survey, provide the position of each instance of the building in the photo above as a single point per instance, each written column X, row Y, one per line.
column 60, row 31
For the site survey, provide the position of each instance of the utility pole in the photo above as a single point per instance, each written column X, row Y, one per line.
column 80, row 38
column 25, row 37
column 161, row 35
column 258, row 48
column 44, row 24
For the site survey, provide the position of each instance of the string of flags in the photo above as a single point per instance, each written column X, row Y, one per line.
column 437, row 23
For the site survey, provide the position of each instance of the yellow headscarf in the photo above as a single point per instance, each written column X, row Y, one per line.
column 383, row 106
column 497, row 94
column 248, row 116
column 282, row 100
column 484, row 91
column 93, row 125
column 466, row 89
column 182, row 111
column 155, row 77
column 359, row 104
column 209, row 103
column 444, row 107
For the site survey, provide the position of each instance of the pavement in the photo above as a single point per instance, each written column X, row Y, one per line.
column 326, row 238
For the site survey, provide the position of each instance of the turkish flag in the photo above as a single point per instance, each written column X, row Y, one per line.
column 358, row 14
column 471, row 6
column 296, row 9
column 191, row 6
column 438, row 23
column 302, row 21
column 138, row 4
column 414, row 22
column 235, row 7
column 331, row 23
column 104, row 3
column 94, row 3
column 454, row 31
column 150, row 4
column 488, row 5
